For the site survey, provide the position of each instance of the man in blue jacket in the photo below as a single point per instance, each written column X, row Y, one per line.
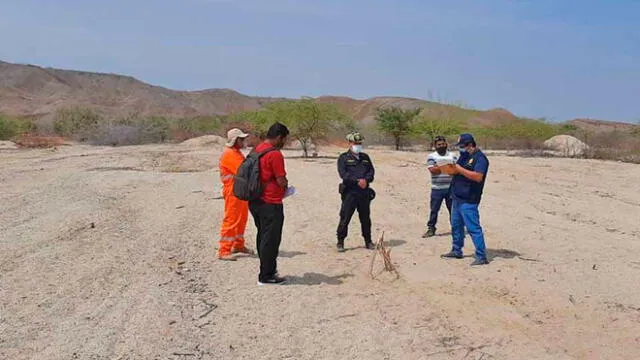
column 470, row 174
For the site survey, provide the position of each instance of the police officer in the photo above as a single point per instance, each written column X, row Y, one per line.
column 357, row 172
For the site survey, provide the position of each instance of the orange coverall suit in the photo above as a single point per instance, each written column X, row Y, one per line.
column 236, row 211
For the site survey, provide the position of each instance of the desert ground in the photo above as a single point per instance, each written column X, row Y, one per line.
column 109, row 253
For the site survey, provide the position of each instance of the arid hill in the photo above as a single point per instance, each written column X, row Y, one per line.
column 28, row 90
column 31, row 90
column 601, row 126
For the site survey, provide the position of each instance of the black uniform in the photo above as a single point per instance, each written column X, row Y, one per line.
column 352, row 167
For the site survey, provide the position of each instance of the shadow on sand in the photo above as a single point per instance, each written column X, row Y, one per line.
column 312, row 158
column 444, row 234
column 394, row 242
column 501, row 253
column 317, row 279
column 290, row 254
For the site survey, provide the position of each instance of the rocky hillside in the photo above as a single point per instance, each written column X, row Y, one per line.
column 601, row 126
column 27, row 90
column 32, row 90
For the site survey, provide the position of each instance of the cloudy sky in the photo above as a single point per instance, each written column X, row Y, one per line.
column 559, row 59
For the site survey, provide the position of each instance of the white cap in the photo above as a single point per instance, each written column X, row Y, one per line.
column 233, row 135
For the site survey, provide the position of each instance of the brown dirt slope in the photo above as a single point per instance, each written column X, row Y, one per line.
column 601, row 126
column 28, row 90
column 32, row 90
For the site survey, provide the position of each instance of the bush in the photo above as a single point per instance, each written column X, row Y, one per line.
column 10, row 128
column 614, row 145
column 76, row 123
column 525, row 134
column 185, row 128
column 441, row 120
column 116, row 135
column 154, row 129
column 310, row 121
column 131, row 131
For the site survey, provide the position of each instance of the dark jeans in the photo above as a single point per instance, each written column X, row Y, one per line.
column 353, row 200
column 437, row 196
column 269, row 220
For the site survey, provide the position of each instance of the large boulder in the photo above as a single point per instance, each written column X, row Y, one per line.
column 203, row 141
column 566, row 145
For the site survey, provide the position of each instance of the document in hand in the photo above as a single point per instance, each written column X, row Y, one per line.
column 290, row 191
column 449, row 169
column 444, row 162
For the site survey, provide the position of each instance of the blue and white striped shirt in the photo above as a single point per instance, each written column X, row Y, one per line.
column 440, row 181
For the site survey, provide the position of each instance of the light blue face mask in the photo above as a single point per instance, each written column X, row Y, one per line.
column 356, row 148
column 462, row 150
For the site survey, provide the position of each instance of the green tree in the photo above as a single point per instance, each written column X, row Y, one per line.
column 396, row 122
column 308, row 120
column 259, row 120
column 438, row 120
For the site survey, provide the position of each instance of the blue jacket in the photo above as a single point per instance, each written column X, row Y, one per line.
column 466, row 190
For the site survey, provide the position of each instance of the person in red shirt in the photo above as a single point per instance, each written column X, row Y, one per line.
column 268, row 212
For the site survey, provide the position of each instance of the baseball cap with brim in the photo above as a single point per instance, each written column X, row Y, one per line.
column 233, row 135
column 465, row 139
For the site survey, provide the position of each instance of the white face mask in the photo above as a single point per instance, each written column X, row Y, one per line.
column 356, row 148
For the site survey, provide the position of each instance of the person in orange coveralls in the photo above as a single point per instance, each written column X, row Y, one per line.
column 236, row 211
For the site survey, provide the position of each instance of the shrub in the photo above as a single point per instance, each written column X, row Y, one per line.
column 614, row 145
column 185, row 128
column 154, row 129
column 131, row 131
column 309, row 121
column 525, row 134
column 10, row 128
column 116, row 135
column 77, row 123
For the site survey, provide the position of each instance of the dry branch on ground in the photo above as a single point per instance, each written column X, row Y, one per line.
column 386, row 258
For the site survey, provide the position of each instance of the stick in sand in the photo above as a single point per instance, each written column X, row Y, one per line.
column 386, row 257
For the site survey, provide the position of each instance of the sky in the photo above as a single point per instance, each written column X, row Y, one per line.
column 558, row 59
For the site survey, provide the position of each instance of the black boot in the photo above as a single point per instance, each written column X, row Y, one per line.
column 430, row 233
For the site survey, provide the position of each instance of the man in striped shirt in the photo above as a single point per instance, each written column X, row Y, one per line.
column 440, row 182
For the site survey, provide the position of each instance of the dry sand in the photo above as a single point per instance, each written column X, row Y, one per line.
column 7, row 145
column 109, row 253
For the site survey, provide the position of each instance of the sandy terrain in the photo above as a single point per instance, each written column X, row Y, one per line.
column 109, row 253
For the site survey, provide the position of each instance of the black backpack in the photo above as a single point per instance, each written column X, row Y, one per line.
column 247, row 185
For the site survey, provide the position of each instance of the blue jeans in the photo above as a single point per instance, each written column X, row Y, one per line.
column 467, row 215
column 437, row 197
